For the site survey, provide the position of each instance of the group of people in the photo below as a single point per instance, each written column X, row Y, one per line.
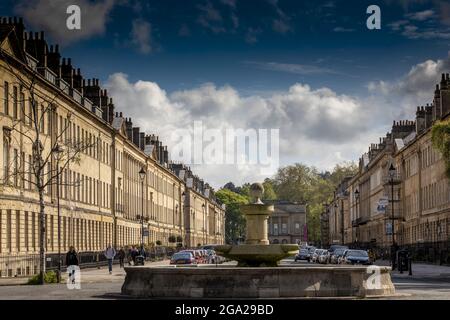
column 110, row 253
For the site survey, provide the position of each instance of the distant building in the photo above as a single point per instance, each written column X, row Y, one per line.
column 288, row 222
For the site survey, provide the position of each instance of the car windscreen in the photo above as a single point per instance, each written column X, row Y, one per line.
column 181, row 256
column 357, row 253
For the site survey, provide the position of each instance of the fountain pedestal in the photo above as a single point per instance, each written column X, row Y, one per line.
column 257, row 251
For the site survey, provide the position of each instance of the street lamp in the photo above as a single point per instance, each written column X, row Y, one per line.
column 142, row 175
column 204, row 223
column 335, row 220
column 356, row 213
column 392, row 172
column 57, row 150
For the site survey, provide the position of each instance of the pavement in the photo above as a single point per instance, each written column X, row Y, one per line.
column 428, row 282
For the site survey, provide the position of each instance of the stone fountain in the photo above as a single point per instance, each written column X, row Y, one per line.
column 258, row 273
column 257, row 252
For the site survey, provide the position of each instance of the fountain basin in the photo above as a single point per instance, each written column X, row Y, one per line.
column 235, row 282
column 254, row 255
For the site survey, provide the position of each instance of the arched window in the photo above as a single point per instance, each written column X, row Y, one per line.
column 284, row 241
column 275, row 241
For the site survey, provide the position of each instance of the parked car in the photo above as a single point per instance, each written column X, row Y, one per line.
column 336, row 254
column 323, row 257
column 182, row 258
column 196, row 254
column 336, row 246
column 303, row 254
column 356, row 257
column 315, row 255
column 311, row 252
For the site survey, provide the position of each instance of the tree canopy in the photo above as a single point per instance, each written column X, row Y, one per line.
column 297, row 183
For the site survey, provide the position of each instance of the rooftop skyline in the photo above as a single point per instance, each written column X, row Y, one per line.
column 312, row 70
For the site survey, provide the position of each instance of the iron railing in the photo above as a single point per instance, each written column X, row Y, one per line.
column 25, row 265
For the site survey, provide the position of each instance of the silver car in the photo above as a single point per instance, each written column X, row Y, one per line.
column 323, row 257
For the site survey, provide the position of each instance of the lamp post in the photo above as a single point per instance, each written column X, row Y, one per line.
column 142, row 175
column 186, row 223
column 335, row 220
column 356, row 213
column 342, row 222
column 392, row 172
column 204, row 223
column 57, row 150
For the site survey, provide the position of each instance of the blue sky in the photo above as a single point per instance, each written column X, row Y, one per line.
column 261, row 48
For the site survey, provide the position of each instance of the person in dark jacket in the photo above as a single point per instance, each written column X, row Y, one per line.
column 71, row 257
column 134, row 253
column 71, row 260
column 121, row 255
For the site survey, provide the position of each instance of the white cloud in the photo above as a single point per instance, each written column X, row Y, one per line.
column 141, row 36
column 342, row 29
column 302, row 69
column 51, row 16
column 422, row 15
column 307, row 118
column 416, row 87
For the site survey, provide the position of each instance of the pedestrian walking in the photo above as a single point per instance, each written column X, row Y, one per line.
column 110, row 253
column 121, row 255
column 71, row 260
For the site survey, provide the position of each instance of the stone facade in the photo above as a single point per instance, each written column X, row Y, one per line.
column 287, row 224
column 102, row 198
column 413, row 200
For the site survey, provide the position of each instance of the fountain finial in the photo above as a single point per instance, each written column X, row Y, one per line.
column 256, row 193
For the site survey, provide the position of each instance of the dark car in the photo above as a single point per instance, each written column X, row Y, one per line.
column 182, row 258
column 336, row 246
column 310, row 252
column 356, row 257
column 303, row 254
column 336, row 254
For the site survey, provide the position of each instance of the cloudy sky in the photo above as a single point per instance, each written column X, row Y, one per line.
column 311, row 69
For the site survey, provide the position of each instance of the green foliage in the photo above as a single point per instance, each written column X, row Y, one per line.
column 49, row 277
column 303, row 184
column 234, row 219
column 179, row 239
column 172, row 239
column 269, row 192
column 440, row 137
column 158, row 242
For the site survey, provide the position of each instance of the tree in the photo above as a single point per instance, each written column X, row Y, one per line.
column 303, row 184
column 53, row 148
column 440, row 137
column 234, row 219
column 269, row 192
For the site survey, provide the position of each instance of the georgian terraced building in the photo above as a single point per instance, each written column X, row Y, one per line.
column 101, row 197
column 410, row 204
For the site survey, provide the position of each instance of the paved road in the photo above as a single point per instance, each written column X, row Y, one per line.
column 430, row 283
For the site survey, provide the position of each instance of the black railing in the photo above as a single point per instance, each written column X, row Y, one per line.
column 25, row 265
